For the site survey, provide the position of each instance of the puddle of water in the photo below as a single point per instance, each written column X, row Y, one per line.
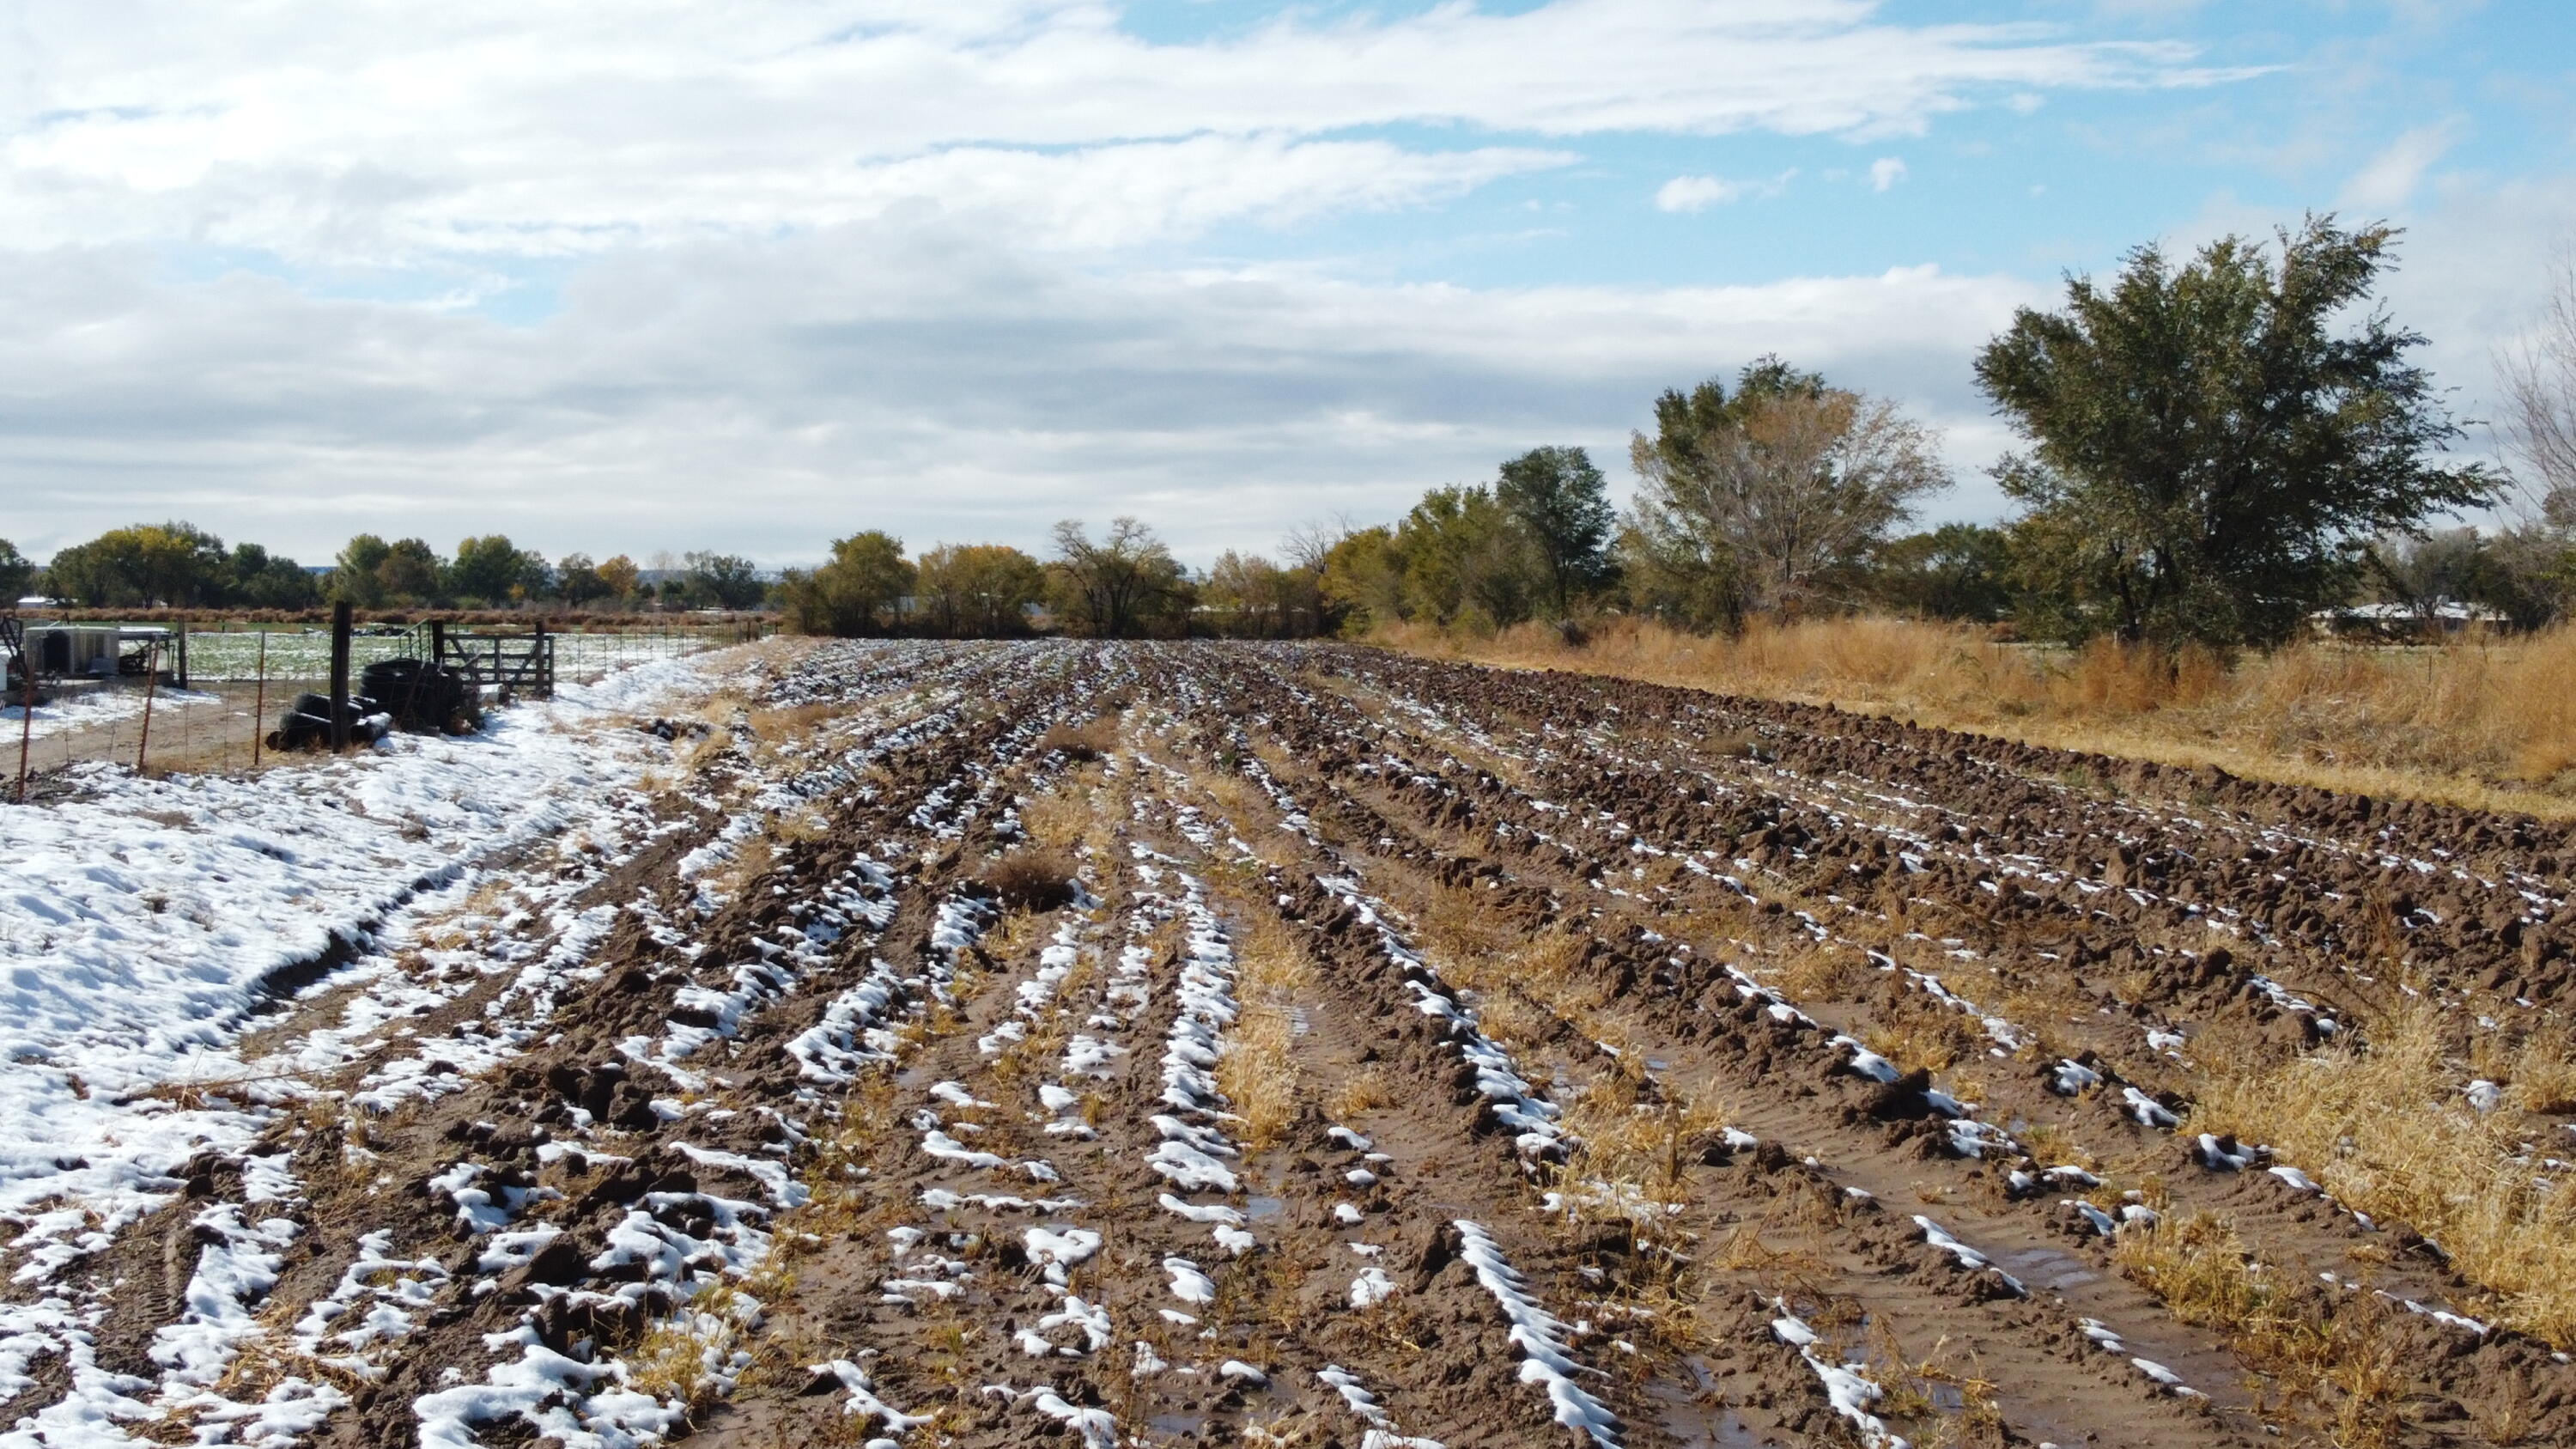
column 1694, row 1419
column 2047, row 1268
column 1698, row 1426
column 1181, row 1426
column 1257, row 1208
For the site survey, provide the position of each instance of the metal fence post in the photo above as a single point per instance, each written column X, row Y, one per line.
column 26, row 729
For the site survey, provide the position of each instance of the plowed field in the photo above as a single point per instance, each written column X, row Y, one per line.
column 1144, row 1044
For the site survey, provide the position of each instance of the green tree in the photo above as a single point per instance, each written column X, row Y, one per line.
column 17, row 571
column 978, row 590
column 411, row 572
column 1676, row 578
column 725, row 580
column 356, row 574
column 1468, row 561
column 175, row 564
column 494, row 572
column 578, row 581
column 1363, row 579
column 1956, row 571
column 263, row 580
column 1564, row 505
column 855, row 593
column 1124, row 584
column 2208, row 448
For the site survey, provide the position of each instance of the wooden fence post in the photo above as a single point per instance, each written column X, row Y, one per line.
column 151, row 679
column 339, row 676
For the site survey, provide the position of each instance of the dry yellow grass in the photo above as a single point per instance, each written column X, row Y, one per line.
column 2329, row 1353
column 1630, row 1147
column 2486, row 723
column 1365, row 1091
column 1257, row 1073
column 2387, row 1130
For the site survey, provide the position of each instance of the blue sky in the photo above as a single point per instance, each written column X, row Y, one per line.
column 646, row 277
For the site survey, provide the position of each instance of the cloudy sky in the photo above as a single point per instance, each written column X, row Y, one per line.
column 662, row 275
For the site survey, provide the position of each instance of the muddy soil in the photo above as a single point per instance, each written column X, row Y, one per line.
column 1177, row 1044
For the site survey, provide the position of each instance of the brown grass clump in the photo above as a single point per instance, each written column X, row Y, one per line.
column 2327, row 1349
column 1365, row 1091
column 1087, row 741
column 1821, row 972
column 1056, row 821
column 2482, row 722
column 1257, row 1072
column 1914, row 1030
column 1031, row 878
column 2542, row 1074
column 2386, row 1129
column 1632, row 1148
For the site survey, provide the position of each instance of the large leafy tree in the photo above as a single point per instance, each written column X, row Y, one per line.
column 725, row 580
column 979, row 590
column 1468, row 560
column 411, row 572
column 621, row 578
column 176, row 564
column 1561, row 500
column 493, row 571
column 355, row 573
column 2211, row 441
column 577, row 580
column 1956, row 571
column 1250, row 596
column 1363, row 578
column 17, row 571
column 264, row 580
column 1125, row 582
column 1759, row 499
column 856, row 593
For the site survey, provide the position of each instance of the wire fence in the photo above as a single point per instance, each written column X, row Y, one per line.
column 240, row 681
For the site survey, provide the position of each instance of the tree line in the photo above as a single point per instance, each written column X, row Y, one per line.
column 2212, row 450
column 1124, row 583
column 178, row 565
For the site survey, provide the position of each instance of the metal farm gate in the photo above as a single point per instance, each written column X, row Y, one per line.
column 522, row 666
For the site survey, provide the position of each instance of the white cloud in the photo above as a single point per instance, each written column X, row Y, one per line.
column 1696, row 193
column 2388, row 181
column 916, row 374
column 374, row 134
column 1885, row 172
column 1699, row 193
column 919, row 263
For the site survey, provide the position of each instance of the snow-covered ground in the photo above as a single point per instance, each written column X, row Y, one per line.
column 306, row 653
column 76, row 709
column 139, row 923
